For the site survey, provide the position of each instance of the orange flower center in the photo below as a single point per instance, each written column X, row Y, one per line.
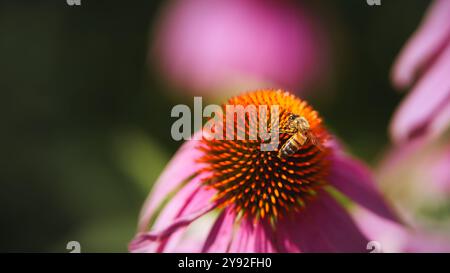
column 260, row 184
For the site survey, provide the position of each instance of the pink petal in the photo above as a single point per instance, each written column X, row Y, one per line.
column 353, row 179
column 323, row 226
column 391, row 236
column 143, row 240
column 181, row 167
column 440, row 171
column 334, row 144
column 440, row 123
column 398, row 154
column 433, row 33
column 302, row 234
column 395, row 238
column 426, row 243
column 190, row 203
column 221, row 233
column 428, row 101
column 251, row 237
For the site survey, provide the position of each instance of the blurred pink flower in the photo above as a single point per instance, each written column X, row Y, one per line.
column 212, row 46
column 264, row 203
column 426, row 56
column 394, row 238
column 440, row 171
column 417, row 173
column 416, row 178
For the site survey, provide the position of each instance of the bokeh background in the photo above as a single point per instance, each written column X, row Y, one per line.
column 85, row 112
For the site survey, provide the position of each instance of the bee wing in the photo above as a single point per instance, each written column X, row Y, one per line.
column 314, row 140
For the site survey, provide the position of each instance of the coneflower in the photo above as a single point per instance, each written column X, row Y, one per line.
column 264, row 203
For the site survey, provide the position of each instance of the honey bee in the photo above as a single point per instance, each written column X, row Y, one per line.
column 299, row 128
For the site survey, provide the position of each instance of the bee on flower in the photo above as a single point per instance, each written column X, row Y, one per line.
column 263, row 202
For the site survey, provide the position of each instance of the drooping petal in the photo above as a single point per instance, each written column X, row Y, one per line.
column 429, row 99
column 157, row 240
column 391, row 236
column 193, row 237
column 440, row 171
column 353, row 179
column 323, row 226
column 253, row 237
column 190, row 203
column 426, row 243
column 396, row 238
column 181, row 167
column 302, row 234
column 440, row 123
column 221, row 233
column 264, row 238
column 433, row 33
column 398, row 154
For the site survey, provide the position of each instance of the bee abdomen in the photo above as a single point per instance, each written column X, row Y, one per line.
column 289, row 148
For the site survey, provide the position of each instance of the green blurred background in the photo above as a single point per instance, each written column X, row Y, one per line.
column 86, row 121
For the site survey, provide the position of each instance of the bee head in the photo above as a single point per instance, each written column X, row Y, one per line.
column 298, row 122
column 303, row 124
column 292, row 121
column 292, row 117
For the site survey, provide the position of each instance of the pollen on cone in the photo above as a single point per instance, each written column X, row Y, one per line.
column 259, row 183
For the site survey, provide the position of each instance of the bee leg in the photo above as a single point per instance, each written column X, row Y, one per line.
column 279, row 154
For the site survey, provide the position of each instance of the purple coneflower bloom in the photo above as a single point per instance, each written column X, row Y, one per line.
column 426, row 57
column 262, row 203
